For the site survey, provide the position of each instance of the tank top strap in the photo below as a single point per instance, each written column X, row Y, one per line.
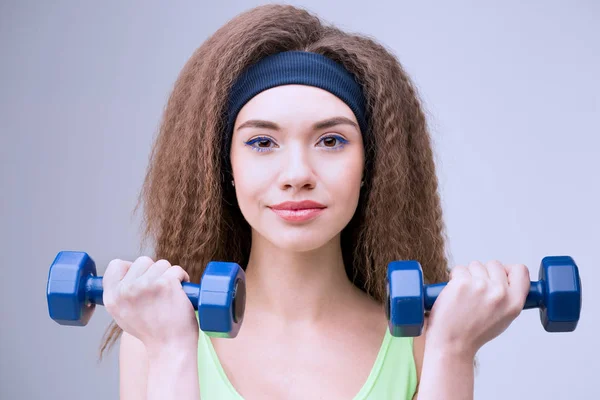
column 213, row 381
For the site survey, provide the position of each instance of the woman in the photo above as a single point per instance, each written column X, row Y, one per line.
column 300, row 152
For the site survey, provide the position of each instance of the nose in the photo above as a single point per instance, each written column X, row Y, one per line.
column 296, row 169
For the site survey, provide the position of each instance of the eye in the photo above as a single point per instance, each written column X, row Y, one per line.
column 330, row 142
column 262, row 142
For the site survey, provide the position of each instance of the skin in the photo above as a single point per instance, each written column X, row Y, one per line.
column 302, row 312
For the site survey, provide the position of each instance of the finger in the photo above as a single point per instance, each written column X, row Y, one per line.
column 460, row 272
column 137, row 269
column 518, row 282
column 115, row 271
column 187, row 276
column 477, row 270
column 156, row 270
column 498, row 273
column 176, row 272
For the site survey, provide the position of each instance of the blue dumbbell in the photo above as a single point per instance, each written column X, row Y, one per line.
column 73, row 291
column 557, row 294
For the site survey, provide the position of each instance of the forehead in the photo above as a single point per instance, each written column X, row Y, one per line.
column 294, row 104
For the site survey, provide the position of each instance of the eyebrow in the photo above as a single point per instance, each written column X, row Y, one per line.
column 324, row 124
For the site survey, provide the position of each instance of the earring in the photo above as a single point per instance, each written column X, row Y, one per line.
column 362, row 183
column 232, row 183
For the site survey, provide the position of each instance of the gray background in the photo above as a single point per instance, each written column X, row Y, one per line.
column 511, row 93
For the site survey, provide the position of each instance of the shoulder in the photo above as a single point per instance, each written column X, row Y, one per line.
column 133, row 368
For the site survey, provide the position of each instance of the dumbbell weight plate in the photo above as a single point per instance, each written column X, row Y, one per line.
column 67, row 304
column 405, row 305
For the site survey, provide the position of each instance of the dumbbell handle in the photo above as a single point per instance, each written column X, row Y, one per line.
column 94, row 291
column 535, row 297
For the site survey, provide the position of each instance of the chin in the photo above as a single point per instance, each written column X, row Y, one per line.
column 298, row 240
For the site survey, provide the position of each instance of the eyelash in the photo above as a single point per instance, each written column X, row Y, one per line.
column 263, row 149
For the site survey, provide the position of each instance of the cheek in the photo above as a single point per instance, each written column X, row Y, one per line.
column 252, row 175
column 251, row 182
column 344, row 176
column 345, row 191
column 248, row 201
column 343, row 187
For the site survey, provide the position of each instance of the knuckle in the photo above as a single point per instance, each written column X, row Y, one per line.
column 494, row 264
column 179, row 273
column 143, row 259
column 125, row 291
column 178, row 269
column 479, row 286
column 130, row 291
column 519, row 272
column 162, row 283
column 112, row 266
column 498, row 294
column 461, row 284
column 142, row 286
column 162, row 261
column 114, row 262
column 522, row 269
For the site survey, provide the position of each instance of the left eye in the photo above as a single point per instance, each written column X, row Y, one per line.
column 329, row 141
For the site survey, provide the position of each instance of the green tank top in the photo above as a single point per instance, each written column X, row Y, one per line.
column 393, row 375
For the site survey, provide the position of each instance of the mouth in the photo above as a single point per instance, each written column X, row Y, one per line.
column 302, row 215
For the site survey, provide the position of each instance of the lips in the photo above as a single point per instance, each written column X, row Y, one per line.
column 298, row 205
column 298, row 211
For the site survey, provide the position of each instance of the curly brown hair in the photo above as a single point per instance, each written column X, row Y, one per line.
column 192, row 214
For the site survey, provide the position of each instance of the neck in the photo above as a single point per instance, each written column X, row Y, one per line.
column 290, row 287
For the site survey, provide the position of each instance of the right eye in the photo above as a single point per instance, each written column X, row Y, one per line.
column 262, row 143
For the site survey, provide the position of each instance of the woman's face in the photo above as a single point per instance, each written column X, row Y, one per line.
column 288, row 157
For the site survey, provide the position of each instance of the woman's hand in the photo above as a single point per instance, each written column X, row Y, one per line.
column 147, row 301
column 478, row 304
